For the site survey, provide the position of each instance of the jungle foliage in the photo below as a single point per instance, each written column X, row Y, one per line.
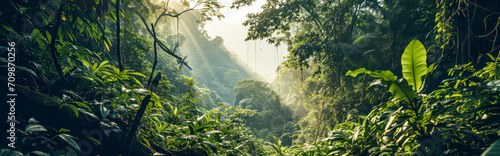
column 362, row 77
column 92, row 72
column 426, row 87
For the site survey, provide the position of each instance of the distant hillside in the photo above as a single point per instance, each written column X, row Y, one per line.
column 213, row 66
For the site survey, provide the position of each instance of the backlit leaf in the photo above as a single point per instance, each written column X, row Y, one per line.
column 414, row 64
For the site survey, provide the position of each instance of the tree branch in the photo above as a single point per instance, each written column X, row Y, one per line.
column 156, row 56
column 176, row 15
column 316, row 20
column 53, row 50
column 140, row 113
column 162, row 46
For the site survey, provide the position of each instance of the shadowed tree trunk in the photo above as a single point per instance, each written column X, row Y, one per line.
column 118, row 51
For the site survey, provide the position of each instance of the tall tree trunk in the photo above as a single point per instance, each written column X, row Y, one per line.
column 118, row 51
column 137, row 119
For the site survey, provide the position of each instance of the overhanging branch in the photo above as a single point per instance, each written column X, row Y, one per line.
column 161, row 44
column 176, row 15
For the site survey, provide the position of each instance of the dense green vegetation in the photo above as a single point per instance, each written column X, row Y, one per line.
column 362, row 77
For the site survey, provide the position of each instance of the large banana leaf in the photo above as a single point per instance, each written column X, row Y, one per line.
column 494, row 149
column 384, row 75
column 401, row 90
column 414, row 64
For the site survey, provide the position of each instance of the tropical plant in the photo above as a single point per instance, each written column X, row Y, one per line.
column 456, row 117
column 280, row 150
column 37, row 140
column 418, row 126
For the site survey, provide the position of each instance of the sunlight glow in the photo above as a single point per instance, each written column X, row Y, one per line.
column 234, row 33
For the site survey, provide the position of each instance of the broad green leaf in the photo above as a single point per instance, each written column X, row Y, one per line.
column 94, row 67
column 207, row 117
column 212, row 147
column 60, row 34
column 75, row 110
column 493, row 150
column 68, row 138
column 430, row 68
column 63, row 130
column 107, row 73
column 401, row 90
column 384, row 75
column 490, row 56
column 389, row 123
column 35, row 34
column 177, row 111
column 201, row 128
column 49, row 37
column 81, row 104
column 95, row 140
column 414, row 64
column 136, row 81
column 35, row 128
column 86, row 64
column 107, row 44
column 136, row 73
column 337, row 150
column 357, row 72
column 387, row 75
